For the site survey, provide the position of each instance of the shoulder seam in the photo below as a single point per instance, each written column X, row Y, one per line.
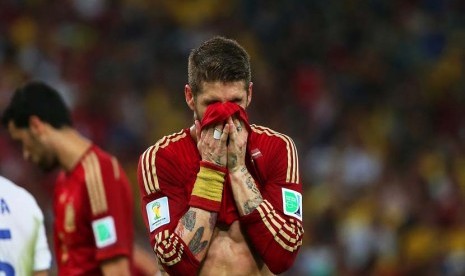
column 149, row 170
column 292, row 173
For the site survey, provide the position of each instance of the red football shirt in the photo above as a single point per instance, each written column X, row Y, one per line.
column 166, row 175
column 93, row 208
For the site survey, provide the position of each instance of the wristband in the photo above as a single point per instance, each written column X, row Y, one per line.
column 208, row 187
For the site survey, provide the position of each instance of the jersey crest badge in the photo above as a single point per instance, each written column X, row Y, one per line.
column 104, row 231
column 292, row 203
column 158, row 213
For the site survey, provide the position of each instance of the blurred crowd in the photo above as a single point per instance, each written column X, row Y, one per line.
column 372, row 92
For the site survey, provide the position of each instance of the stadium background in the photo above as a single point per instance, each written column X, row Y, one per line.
column 372, row 92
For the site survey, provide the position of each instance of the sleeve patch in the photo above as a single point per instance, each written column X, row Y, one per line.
column 158, row 213
column 292, row 203
column 104, row 231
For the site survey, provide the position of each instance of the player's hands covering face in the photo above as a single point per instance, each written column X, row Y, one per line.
column 223, row 145
column 212, row 143
column 237, row 144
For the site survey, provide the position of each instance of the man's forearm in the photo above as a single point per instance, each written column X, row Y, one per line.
column 196, row 228
column 245, row 191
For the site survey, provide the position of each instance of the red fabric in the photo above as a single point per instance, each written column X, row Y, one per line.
column 169, row 169
column 213, row 166
column 76, row 251
column 288, row 233
column 220, row 112
column 172, row 250
column 205, row 203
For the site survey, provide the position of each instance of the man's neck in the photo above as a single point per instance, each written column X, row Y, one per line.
column 70, row 146
column 192, row 132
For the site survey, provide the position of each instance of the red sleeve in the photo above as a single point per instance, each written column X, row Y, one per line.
column 164, row 202
column 111, row 203
column 275, row 226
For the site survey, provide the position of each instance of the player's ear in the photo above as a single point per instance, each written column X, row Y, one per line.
column 249, row 94
column 36, row 125
column 189, row 97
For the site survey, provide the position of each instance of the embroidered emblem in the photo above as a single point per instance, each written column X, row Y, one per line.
column 104, row 231
column 158, row 213
column 292, row 203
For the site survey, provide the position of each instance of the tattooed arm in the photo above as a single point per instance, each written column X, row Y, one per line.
column 245, row 191
column 272, row 216
column 180, row 225
column 196, row 229
column 196, row 226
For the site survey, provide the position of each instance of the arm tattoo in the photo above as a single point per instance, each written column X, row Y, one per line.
column 252, row 204
column 196, row 245
column 188, row 220
column 212, row 220
column 232, row 161
column 251, row 185
column 179, row 230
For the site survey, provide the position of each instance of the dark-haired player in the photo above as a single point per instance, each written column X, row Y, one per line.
column 222, row 197
column 93, row 205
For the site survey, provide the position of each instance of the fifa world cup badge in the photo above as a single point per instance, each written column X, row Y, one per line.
column 158, row 213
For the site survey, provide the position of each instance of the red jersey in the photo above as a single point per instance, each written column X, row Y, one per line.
column 168, row 170
column 93, row 208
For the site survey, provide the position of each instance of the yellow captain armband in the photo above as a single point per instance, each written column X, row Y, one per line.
column 208, row 188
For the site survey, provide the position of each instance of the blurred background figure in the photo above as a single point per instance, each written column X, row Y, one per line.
column 372, row 92
column 23, row 243
column 92, row 200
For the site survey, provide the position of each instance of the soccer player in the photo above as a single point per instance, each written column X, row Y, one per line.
column 93, row 204
column 222, row 197
column 23, row 243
